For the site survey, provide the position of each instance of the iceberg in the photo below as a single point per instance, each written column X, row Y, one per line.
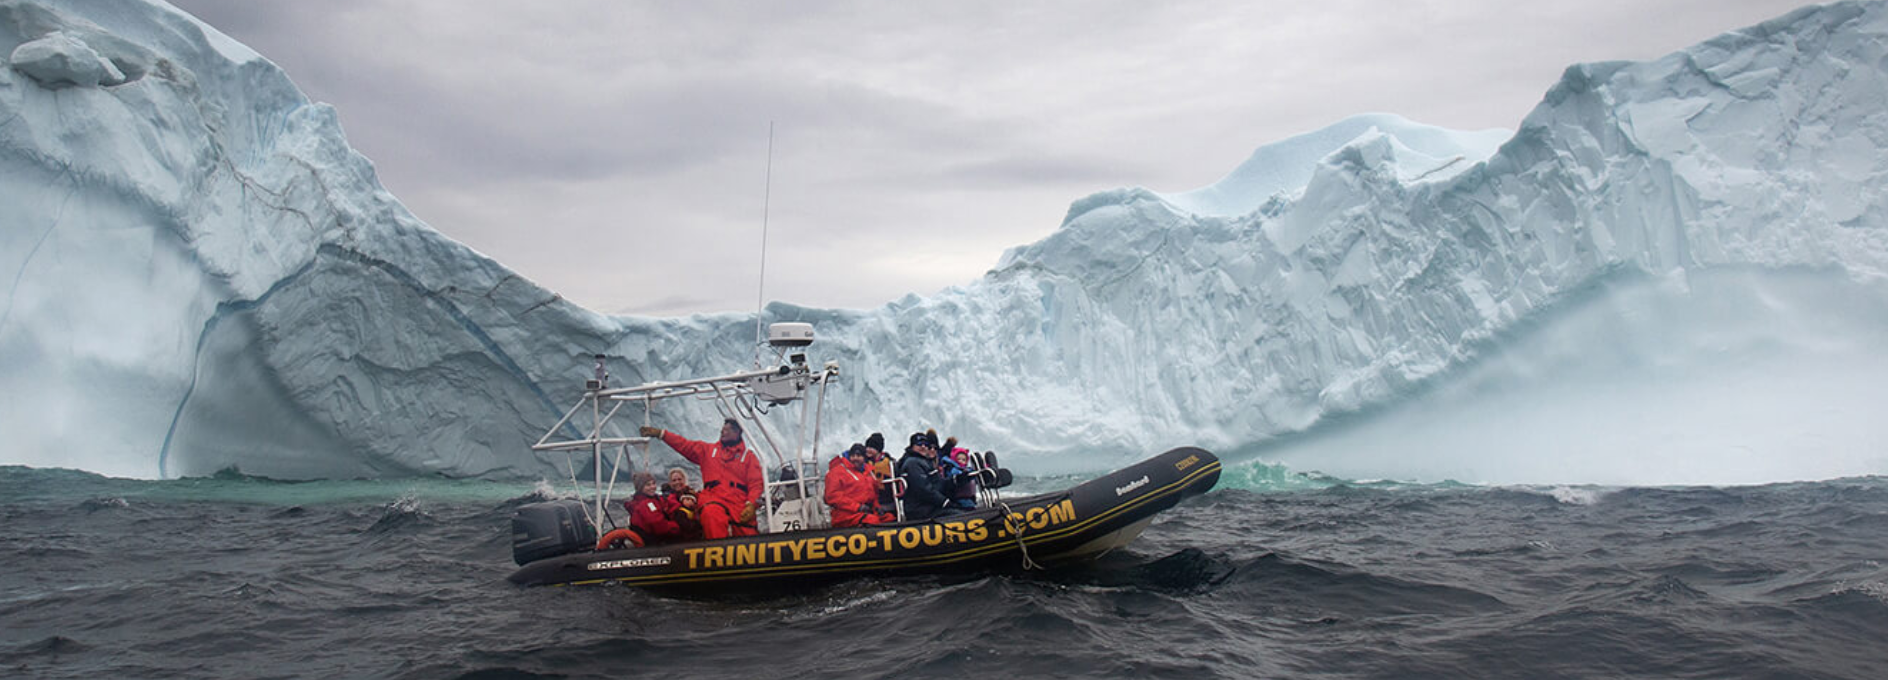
column 200, row 273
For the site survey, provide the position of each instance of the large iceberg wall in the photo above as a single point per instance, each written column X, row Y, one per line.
column 201, row 272
column 1761, row 149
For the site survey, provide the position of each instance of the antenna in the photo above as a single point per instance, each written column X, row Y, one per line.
column 766, row 201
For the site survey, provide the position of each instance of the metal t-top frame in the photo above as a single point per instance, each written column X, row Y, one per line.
column 743, row 396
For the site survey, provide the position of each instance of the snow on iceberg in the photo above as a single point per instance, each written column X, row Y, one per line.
column 59, row 60
column 1281, row 169
column 201, row 273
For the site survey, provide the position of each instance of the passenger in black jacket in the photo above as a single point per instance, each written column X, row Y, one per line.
column 924, row 485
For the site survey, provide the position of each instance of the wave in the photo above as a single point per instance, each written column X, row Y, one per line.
column 25, row 484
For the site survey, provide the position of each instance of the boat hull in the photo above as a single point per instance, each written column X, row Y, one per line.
column 1050, row 529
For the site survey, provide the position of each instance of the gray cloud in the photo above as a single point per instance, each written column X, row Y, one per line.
column 617, row 152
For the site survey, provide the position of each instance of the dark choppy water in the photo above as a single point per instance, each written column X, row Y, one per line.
column 245, row 578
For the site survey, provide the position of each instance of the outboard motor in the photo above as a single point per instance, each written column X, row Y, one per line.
column 541, row 530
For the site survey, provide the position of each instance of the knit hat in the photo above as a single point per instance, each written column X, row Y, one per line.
column 876, row 441
column 640, row 478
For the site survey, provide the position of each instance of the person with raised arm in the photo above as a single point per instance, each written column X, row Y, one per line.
column 731, row 479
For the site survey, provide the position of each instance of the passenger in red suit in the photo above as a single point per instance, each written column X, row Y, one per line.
column 852, row 490
column 731, row 480
column 649, row 512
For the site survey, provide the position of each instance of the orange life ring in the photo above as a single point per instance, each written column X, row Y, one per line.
column 615, row 535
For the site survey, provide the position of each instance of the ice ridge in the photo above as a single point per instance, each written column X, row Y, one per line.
column 204, row 275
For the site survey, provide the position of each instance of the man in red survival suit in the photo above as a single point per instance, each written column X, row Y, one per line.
column 731, row 481
column 852, row 490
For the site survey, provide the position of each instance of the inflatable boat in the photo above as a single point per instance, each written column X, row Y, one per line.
column 1041, row 531
column 556, row 542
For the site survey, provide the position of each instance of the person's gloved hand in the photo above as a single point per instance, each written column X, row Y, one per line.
column 648, row 431
column 747, row 514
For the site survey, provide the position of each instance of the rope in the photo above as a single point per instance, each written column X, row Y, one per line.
column 760, row 287
column 648, row 410
column 1016, row 527
column 616, row 466
column 579, row 487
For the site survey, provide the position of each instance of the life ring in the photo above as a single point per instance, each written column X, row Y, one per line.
column 617, row 535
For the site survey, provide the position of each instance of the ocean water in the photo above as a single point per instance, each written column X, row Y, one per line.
column 1271, row 575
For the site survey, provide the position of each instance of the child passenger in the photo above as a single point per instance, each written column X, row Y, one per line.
column 961, row 486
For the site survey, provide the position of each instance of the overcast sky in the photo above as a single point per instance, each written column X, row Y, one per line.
column 616, row 152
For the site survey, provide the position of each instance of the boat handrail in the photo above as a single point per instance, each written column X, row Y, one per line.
column 587, row 443
column 652, row 390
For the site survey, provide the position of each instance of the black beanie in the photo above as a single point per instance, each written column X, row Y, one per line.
column 876, row 441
